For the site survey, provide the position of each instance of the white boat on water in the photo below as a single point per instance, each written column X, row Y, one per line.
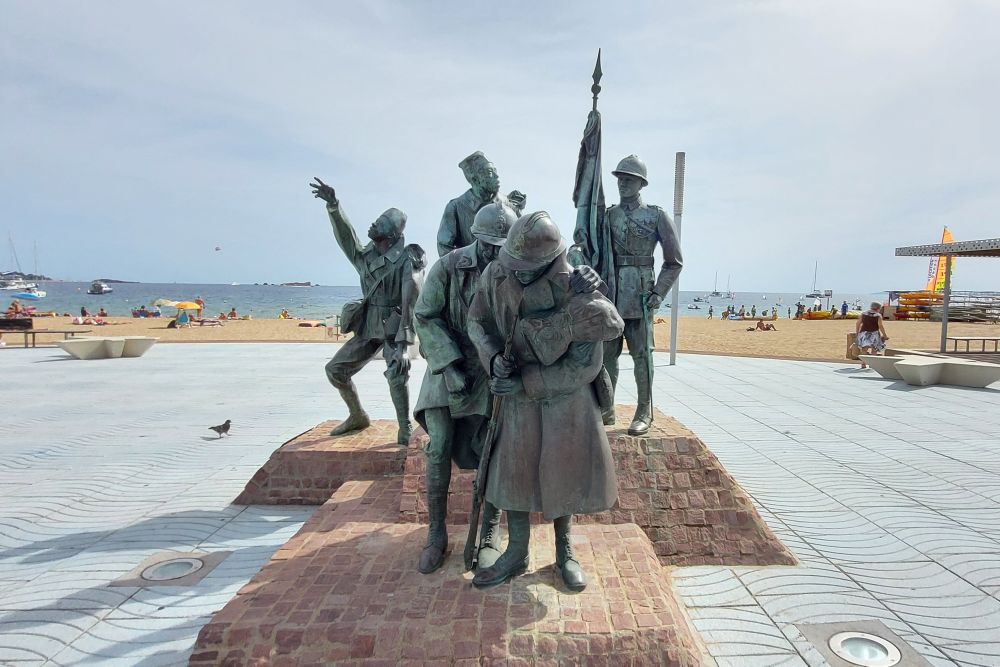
column 97, row 287
column 17, row 285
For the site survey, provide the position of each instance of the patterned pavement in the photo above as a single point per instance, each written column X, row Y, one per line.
column 888, row 494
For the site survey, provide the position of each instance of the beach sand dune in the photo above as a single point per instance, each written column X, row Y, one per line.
column 794, row 339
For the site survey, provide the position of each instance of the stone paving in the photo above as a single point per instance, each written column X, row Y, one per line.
column 889, row 495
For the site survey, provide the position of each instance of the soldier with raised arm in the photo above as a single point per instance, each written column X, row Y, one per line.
column 455, row 230
column 391, row 273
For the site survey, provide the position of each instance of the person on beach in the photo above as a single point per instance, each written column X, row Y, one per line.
column 843, row 310
column 870, row 331
column 710, row 312
column 201, row 305
column 102, row 312
column 232, row 313
column 391, row 274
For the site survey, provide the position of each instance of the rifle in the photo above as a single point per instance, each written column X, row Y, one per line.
column 479, row 483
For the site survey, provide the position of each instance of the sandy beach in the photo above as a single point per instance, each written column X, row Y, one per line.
column 794, row 339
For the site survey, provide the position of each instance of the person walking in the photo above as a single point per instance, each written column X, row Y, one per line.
column 870, row 331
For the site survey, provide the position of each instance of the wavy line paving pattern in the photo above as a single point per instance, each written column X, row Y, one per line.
column 889, row 495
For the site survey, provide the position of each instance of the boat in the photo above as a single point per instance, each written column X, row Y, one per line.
column 32, row 293
column 98, row 287
column 693, row 306
column 17, row 285
column 700, row 299
column 715, row 286
column 815, row 293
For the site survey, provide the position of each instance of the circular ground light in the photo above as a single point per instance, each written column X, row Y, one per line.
column 175, row 568
column 866, row 650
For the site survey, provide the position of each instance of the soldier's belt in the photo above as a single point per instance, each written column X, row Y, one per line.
column 633, row 260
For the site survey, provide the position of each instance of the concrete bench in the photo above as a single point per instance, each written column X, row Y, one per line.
column 108, row 347
column 926, row 371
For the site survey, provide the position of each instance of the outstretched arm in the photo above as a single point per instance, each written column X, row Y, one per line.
column 343, row 231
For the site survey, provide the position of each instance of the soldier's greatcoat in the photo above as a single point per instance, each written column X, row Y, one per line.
column 441, row 316
column 636, row 229
column 552, row 454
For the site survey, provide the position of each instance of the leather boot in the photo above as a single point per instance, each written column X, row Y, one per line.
column 489, row 541
column 514, row 560
column 566, row 563
column 644, row 410
column 357, row 418
column 436, row 549
column 400, row 394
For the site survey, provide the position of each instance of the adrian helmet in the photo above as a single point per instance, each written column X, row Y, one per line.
column 632, row 166
column 532, row 242
column 493, row 222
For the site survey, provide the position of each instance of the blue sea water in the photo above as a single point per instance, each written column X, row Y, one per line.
column 266, row 301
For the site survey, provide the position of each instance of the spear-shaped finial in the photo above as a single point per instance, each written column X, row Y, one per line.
column 596, row 88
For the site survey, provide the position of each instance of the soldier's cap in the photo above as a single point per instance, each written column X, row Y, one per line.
column 473, row 162
column 632, row 165
column 532, row 242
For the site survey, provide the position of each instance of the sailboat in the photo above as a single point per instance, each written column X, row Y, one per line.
column 715, row 286
column 935, row 274
column 815, row 294
column 730, row 294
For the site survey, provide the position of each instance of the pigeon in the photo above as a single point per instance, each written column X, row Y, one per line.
column 221, row 429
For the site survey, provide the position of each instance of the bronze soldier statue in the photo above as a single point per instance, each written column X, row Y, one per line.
column 635, row 230
column 456, row 223
column 453, row 406
column 391, row 273
column 552, row 454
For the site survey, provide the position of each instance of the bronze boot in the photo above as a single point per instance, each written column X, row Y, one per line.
column 489, row 542
column 400, row 394
column 644, row 410
column 436, row 549
column 566, row 563
column 357, row 418
column 514, row 560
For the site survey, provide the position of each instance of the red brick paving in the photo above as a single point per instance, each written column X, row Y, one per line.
column 307, row 469
column 345, row 591
column 669, row 483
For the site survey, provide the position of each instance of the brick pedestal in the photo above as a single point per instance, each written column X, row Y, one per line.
column 345, row 591
column 670, row 484
column 307, row 469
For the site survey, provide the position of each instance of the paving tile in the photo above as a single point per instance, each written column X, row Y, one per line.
column 909, row 579
column 710, row 587
column 979, row 654
column 811, row 577
column 952, row 620
column 739, row 632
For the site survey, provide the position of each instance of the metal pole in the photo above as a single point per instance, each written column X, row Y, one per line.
column 675, row 294
column 947, row 300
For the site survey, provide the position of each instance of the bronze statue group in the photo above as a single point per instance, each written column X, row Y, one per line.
column 521, row 335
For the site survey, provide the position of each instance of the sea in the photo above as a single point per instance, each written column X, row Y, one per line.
column 320, row 302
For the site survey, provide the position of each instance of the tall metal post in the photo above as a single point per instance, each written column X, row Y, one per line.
column 946, row 301
column 675, row 293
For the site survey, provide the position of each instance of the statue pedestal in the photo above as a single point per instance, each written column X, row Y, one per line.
column 346, row 589
column 307, row 469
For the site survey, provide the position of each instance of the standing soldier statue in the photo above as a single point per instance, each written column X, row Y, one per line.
column 391, row 273
column 618, row 241
column 542, row 342
column 456, row 223
column 454, row 402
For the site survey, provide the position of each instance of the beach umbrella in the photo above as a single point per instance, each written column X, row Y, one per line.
column 186, row 305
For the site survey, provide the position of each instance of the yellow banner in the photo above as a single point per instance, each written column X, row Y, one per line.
column 935, row 276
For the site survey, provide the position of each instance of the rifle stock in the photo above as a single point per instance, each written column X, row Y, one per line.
column 470, row 553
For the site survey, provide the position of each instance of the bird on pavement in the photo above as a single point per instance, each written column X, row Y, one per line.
column 221, row 429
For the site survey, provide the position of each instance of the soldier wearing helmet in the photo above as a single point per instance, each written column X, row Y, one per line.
column 455, row 230
column 453, row 406
column 636, row 228
column 551, row 454
column 391, row 273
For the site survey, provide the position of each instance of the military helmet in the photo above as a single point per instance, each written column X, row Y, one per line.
column 532, row 242
column 493, row 222
column 632, row 166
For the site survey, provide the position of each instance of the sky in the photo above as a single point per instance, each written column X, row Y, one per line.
column 136, row 137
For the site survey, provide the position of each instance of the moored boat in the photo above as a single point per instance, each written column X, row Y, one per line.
column 98, row 287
